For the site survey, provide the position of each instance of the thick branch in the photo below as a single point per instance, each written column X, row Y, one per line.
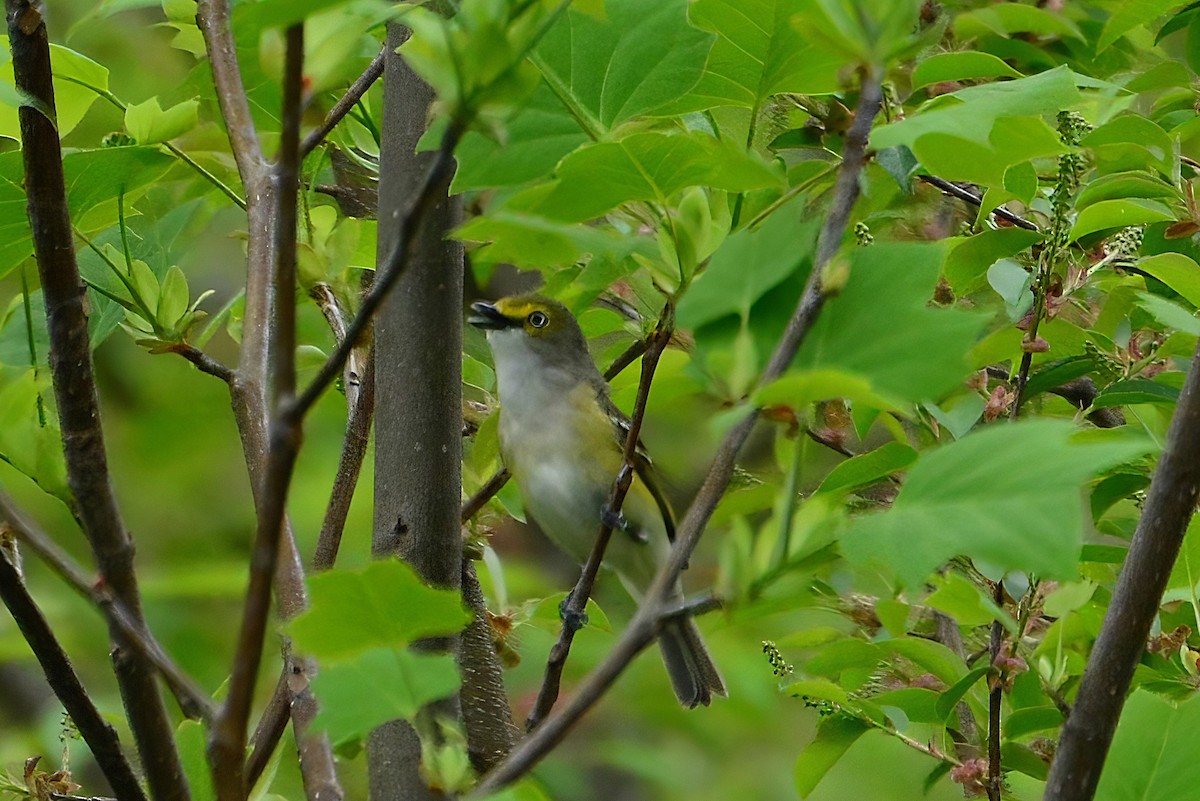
column 487, row 716
column 341, row 108
column 100, row 737
column 577, row 600
column 75, row 391
column 1170, row 502
column 213, row 18
column 644, row 626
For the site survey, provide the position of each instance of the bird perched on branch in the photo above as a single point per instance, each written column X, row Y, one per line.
column 563, row 440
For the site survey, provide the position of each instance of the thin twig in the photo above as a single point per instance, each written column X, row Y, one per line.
column 959, row 192
column 203, row 362
column 194, row 702
column 642, row 630
column 213, row 19
column 227, row 738
column 75, row 392
column 578, row 598
column 995, row 778
column 626, row 358
column 101, row 738
column 437, row 181
column 341, row 108
column 485, row 493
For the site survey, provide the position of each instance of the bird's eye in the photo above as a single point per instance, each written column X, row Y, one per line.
column 538, row 319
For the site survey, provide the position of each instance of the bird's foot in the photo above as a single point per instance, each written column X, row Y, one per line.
column 570, row 618
column 618, row 522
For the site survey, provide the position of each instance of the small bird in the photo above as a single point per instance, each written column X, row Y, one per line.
column 563, row 439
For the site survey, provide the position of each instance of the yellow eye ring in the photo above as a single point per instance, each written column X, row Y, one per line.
column 538, row 319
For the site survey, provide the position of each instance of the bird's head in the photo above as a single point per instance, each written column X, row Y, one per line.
column 531, row 324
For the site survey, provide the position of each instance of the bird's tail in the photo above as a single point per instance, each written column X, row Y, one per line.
column 693, row 675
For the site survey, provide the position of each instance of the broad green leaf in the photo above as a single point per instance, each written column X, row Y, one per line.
column 1009, row 18
column 960, row 66
column 758, row 53
column 1068, row 597
column 869, row 468
column 1012, row 141
column 1132, row 184
column 1185, row 575
column 382, row 605
column 379, row 685
column 648, row 166
column 1136, row 390
column 1169, row 314
column 1177, row 271
column 532, row 241
column 29, row 436
column 639, row 57
column 1119, row 214
column 1151, row 758
column 76, row 79
column 970, row 113
column 929, row 655
column 96, row 178
column 1057, row 373
column 968, row 261
column 1014, row 487
column 746, row 266
column 173, row 298
column 881, row 326
column 1130, row 14
column 1132, row 129
column 190, row 739
column 1021, row 722
column 918, row 705
column 835, row 735
column 798, row 388
column 150, row 124
column 966, row 602
column 534, row 140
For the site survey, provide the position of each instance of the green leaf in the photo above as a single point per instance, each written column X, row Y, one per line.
column 869, row 468
column 532, row 241
column 918, row 705
column 172, row 298
column 191, row 741
column 950, row 698
column 648, row 166
column 29, row 436
column 798, row 388
column 76, row 77
column 1010, row 18
column 384, row 604
column 534, row 140
column 640, row 57
column 149, row 124
column 1021, row 722
column 1177, row 271
column 1151, row 758
column 1132, row 129
column 1130, row 184
column 1057, row 373
column 1119, row 214
column 758, row 53
column 969, row 261
column 835, row 735
column 1014, row 487
column 959, row 67
column 1136, row 390
column 379, row 685
column 964, row 601
column 882, row 327
column 746, row 266
column 1169, row 314
column 1130, row 14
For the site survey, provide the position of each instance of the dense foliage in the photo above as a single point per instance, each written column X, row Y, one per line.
column 931, row 514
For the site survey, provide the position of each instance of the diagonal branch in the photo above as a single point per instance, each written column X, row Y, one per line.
column 75, row 392
column 645, row 624
column 192, row 700
column 578, row 598
column 213, row 19
column 342, row 107
column 954, row 190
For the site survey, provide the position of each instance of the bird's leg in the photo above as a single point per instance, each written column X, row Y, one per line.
column 570, row 618
column 617, row 522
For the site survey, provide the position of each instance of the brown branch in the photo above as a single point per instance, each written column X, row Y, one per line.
column 1170, row 502
column 341, row 108
column 644, row 626
column 573, row 611
column 203, row 362
column 954, row 190
column 227, row 737
column 626, row 358
column 101, row 738
column 192, row 700
column 487, row 716
column 477, row 501
column 213, row 19
column 75, row 392
column 995, row 777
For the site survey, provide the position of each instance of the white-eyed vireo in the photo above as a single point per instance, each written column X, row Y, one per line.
column 562, row 438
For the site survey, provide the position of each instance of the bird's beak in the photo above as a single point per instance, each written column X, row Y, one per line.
column 488, row 317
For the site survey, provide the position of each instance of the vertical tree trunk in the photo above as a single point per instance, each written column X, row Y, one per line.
column 418, row 441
